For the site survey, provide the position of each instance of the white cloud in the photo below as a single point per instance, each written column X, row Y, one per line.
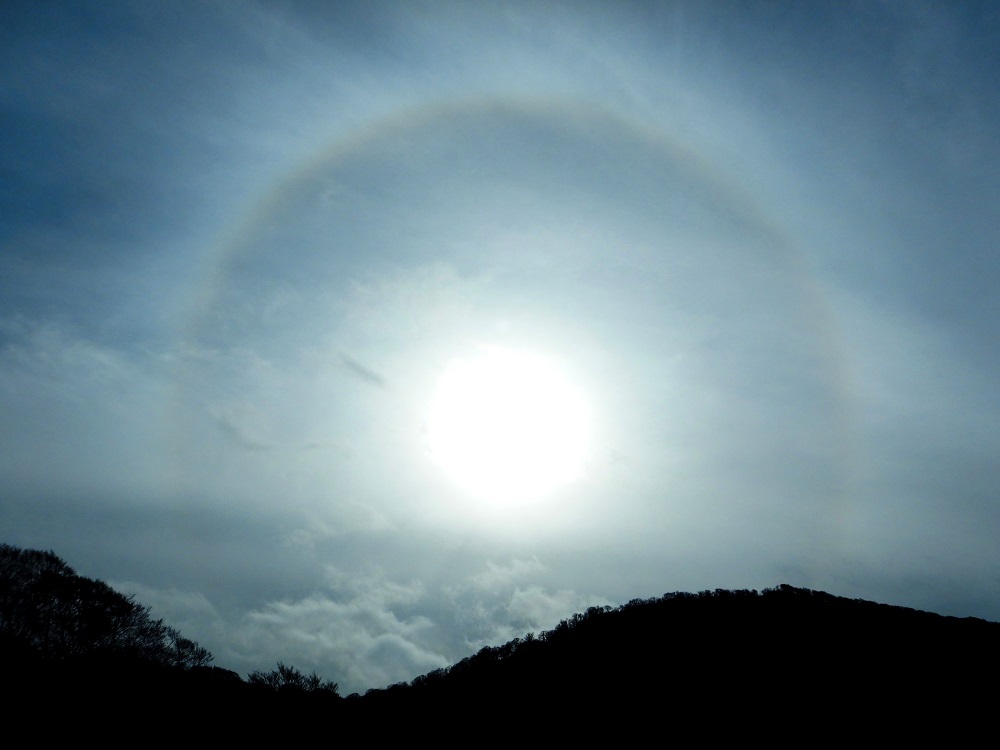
column 347, row 515
column 364, row 634
column 497, row 575
column 501, row 603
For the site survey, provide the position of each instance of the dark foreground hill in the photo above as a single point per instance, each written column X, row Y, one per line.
column 788, row 665
column 726, row 661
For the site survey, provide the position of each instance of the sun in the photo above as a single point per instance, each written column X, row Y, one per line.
column 508, row 426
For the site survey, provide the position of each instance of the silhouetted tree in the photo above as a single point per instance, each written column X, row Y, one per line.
column 290, row 678
column 48, row 609
column 185, row 653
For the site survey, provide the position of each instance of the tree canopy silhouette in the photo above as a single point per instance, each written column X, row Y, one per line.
column 50, row 612
column 721, row 661
column 290, row 678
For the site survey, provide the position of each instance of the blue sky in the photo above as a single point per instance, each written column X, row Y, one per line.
column 242, row 243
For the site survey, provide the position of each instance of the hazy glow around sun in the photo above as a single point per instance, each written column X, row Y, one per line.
column 508, row 425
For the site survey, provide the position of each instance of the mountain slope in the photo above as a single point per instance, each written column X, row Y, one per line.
column 737, row 655
column 730, row 664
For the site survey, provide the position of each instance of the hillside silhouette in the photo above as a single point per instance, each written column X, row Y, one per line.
column 719, row 662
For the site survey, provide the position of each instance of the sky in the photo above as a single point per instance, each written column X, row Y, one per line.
column 361, row 335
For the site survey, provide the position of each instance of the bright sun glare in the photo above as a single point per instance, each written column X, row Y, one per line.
column 508, row 426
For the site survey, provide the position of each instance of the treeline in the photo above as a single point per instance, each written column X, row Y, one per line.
column 49, row 612
column 717, row 660
column 727, row 656
column 75, row 643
